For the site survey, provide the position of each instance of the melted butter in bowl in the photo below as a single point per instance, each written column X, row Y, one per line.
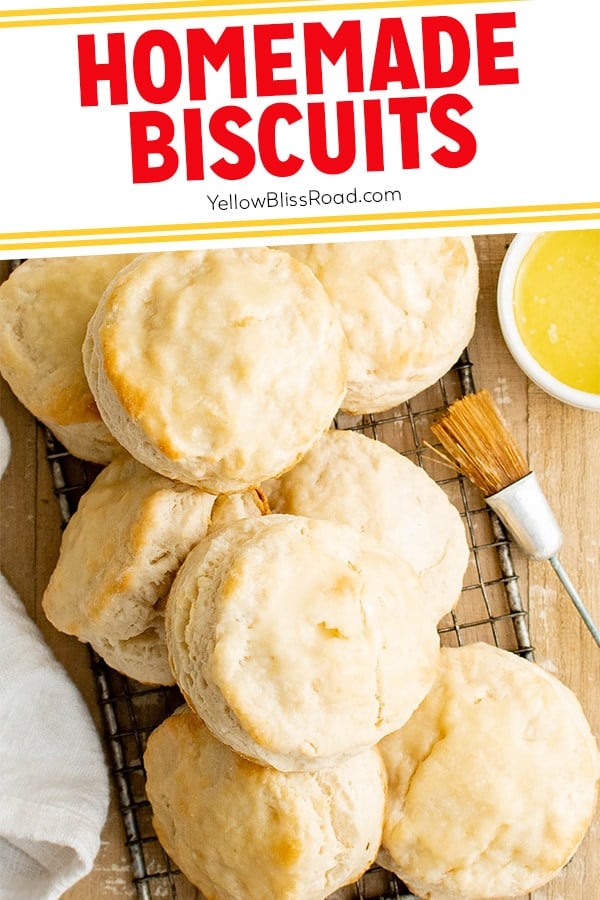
column 557, row 306
column 549, row 310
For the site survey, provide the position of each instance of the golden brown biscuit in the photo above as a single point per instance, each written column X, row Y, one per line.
column 119, row 554
column 407, row 307
column 240, row 831
column 355, row 480
column 228, row 508
column 492, row 782
column 219, row 368
column 45, row 306
column 299, row 641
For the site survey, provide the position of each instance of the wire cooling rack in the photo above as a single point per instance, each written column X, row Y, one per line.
column 490, row 609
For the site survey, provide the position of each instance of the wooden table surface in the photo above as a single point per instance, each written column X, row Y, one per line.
column 563, row 445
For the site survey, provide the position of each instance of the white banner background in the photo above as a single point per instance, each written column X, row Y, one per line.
column 66, row 174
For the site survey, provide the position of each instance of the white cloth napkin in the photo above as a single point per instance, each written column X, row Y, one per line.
column 53, row 776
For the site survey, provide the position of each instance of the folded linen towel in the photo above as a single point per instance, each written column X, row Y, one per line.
column 53, row 777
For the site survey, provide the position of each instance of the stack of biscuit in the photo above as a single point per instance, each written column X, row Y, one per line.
column 286, row 576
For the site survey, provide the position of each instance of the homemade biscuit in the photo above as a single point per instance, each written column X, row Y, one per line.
column 358, row 481
column 407, row 307
column 299, row 641
column 219, row 368
column 492, row 782
column 118, row 556
column 240, row 831
column 228, row 508
column 45, row 306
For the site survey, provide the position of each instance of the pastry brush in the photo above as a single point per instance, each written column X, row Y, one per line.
column 480, row 446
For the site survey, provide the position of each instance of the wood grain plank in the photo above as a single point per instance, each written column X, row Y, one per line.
column 563, row 447
column 565, row 452
column 18, row 500
column 493, row 366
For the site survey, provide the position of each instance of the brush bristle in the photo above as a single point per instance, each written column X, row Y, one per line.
column 476, row 438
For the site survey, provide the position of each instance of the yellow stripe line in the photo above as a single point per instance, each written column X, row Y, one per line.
column 297, row 231
column 430, row 215
column 151, row 11
column 201, row 4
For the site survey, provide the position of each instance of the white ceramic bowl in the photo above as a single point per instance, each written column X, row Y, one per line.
column 522, row 356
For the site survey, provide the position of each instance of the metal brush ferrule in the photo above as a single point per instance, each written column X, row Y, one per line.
column 525, row 512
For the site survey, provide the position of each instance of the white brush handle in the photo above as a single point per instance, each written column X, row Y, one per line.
column 578, row 602
column 522, row 507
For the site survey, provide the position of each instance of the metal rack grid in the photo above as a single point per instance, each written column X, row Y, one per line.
column 489, row 609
